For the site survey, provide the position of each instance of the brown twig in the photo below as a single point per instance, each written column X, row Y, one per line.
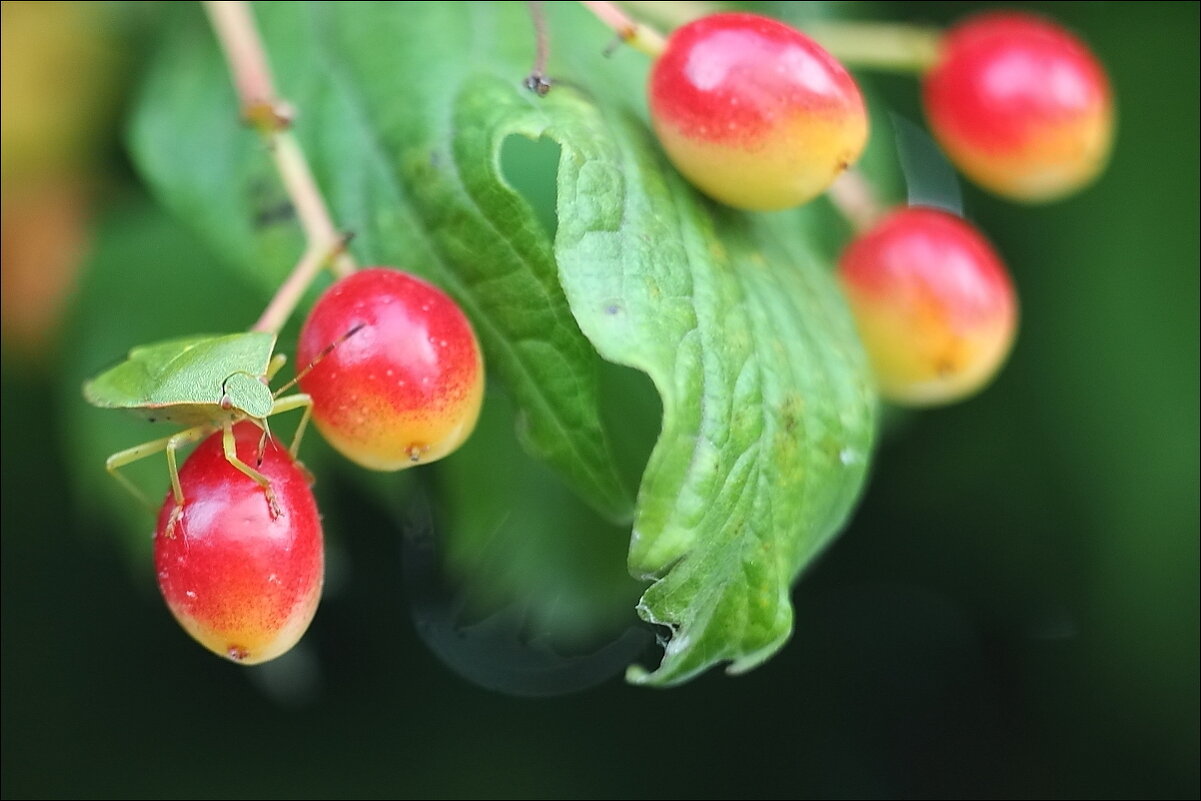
column 262, row 108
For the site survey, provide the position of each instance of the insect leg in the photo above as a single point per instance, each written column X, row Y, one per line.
column 262, row 449
column 231, row 455
column 289, row 403
column 138, row 452
column 173, row 443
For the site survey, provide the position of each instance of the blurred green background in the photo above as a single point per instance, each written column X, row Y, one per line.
column 1013, row 610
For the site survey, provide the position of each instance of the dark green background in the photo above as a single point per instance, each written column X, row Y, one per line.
column 1012, row 611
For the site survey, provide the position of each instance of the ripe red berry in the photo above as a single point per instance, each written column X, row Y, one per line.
column 1021, row 106
column 933, row 303
column 243, row 583
column 753, row 112
column 406, row 386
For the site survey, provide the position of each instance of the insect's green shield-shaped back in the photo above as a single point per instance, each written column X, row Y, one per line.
column 184, row 379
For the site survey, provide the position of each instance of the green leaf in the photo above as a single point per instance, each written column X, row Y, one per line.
column 767, row 411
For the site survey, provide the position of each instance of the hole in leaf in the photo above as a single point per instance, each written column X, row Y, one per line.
column 531, row 167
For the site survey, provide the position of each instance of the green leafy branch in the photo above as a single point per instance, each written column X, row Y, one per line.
column 768, row 411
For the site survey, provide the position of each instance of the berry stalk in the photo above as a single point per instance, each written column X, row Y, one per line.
column 853, row 194
column 262, row 108
column 637, row 35
column 890, row 46
column 537, row 80
column 894, row 47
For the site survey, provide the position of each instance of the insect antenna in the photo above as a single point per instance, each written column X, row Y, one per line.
column 327, row 350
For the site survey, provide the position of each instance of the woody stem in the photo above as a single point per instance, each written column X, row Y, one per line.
column 271, row 117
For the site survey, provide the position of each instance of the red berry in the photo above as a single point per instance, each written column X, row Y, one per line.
column 933, row 303
column 407, row 385
column 242, row 582
column 1021, row 106
column 754, row 113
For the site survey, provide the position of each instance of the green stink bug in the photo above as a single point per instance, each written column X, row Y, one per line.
column 207, row 383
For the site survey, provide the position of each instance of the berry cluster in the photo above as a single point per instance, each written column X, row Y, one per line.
column 394, row 378
column 758, row 116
